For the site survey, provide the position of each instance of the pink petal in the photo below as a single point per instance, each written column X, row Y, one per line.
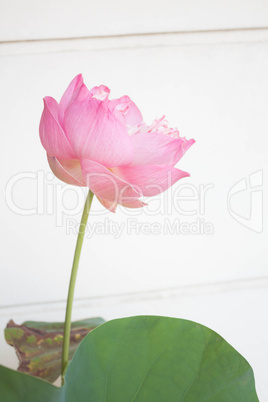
column 128, row 110
column 107, row 185
column 101, row 93
column 158, row 149
column 52, row 135
column 68, row 171
column 133, row 204
column 75, row 91
column 150, row 180
column 96, row 134
column 110, row 205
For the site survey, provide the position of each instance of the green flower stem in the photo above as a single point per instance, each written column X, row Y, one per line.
column 67, row 325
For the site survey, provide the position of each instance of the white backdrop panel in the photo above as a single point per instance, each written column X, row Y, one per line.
column 36, row 19
column 215, row 93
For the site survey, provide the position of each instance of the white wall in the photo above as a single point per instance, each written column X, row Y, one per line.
column 213, row 86
column 36, row 19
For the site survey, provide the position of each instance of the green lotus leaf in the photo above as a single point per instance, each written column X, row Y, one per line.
column 39, row 344
column 145, row 359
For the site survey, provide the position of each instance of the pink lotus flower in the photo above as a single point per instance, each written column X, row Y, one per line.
column 105, row 145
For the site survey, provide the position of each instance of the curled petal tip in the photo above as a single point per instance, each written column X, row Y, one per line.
column 185, row 174
column 48, row 101
column 78, row 78
column 110, row 205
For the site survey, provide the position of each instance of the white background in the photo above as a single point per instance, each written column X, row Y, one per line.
column 202, row 64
